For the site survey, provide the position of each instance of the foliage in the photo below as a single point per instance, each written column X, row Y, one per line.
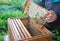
column 5, row 1
column 17, row 14
column 37, row 0
column 3, row 25
column 1, row 38
column 16, row 4
column 56, row 36
column 19, row 4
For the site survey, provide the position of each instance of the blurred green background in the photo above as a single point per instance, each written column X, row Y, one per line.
column 13, row 9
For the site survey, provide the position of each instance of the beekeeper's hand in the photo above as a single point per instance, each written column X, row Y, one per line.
column 51, row 17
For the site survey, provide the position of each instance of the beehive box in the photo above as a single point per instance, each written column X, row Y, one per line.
column 20, row 30
column 31, row 28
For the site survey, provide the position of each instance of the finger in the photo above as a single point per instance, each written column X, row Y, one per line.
column 49, row 16
column 48, row 20
column 52, row 12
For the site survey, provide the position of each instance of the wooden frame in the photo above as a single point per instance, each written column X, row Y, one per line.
column 38, row 17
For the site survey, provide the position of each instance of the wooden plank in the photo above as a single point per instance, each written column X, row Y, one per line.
column 21, row 28
column 26, row 33
column 26, row 6
column 25, row 29
column 16, row 31
column 20, row 32
column 11, row 32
